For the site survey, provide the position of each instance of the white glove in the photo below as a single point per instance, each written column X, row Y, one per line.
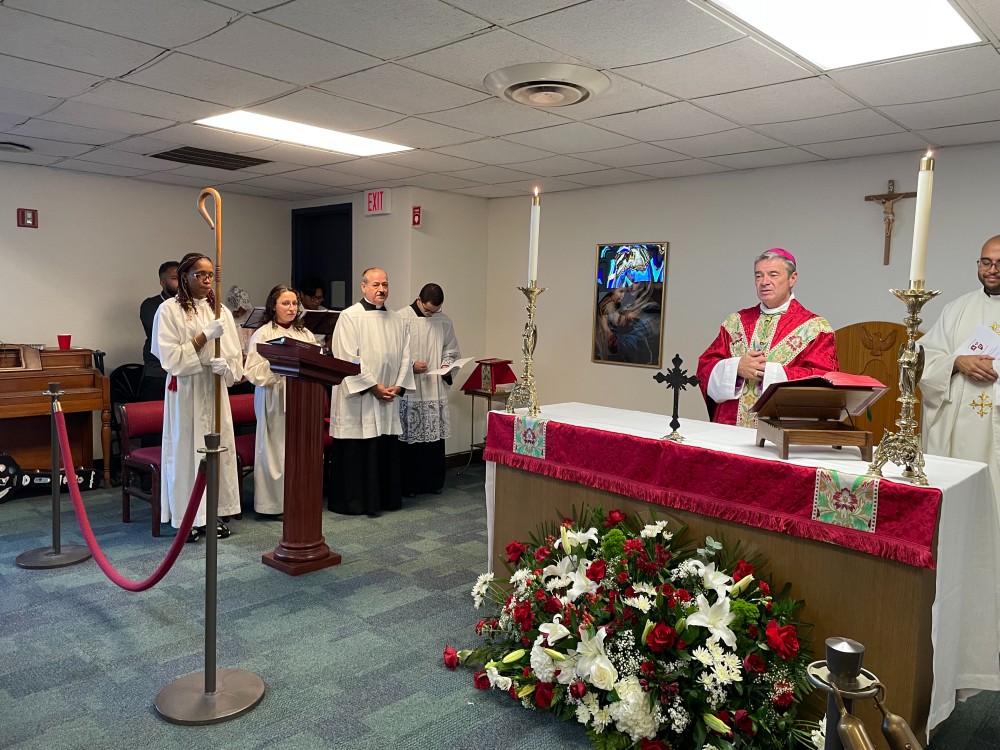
column 213, row 330
column 219, row 366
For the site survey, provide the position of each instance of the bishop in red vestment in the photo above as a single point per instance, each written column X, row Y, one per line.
column 774, row 341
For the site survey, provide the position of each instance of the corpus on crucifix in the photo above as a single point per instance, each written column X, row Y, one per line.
column 888, row 200
column 677, row 380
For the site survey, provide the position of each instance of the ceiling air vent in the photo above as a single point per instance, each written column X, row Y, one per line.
column 205, row 158
column 547, row 84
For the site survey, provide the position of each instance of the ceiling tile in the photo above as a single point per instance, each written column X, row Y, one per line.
column 981, row 132
column 489, row 191
column 857, row 124
column 742, row 64
column 418, row 133
column 677, row 120
column 327, row 111
column 171, row 178
column 771, row 158
column 575, row 136
column 685, row 168
column 143, row 145
column 468, row 62
column 325, row 177
column 988, row 12
column 271, row 167
column 32, row 158
column 52, row 148
column 58, row 131
column 298, row 155
column 165, row 24
column 611, row 33
column 8, row 121
column 545, row 184
column 622, row 96
column 243, row 188
column 555, row 166
column 495, row 117
column 43, row 40
column 439, row 182
column 211, row 174
column 429, row 161
column 734, row 141
column 629, row 156
column 127, row 159
column 607, row 177
column 960, row 110
column 376, row 169
column 203, row 79
column 796, row 100
column 400, row 89
column 39, row 78
column 91, row 115
column 129, row 97
column 262, row 47
column 920, row 79
column 509, row 11
column 13, row 102
column 386, row 28
column 76, row 165
column 878, row 144
column 251, row 6
column 494, row 151
column 200, row 136
column 492, row 174
column 283, row 183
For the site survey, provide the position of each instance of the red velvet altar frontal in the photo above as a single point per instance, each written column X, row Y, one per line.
column 773, row 495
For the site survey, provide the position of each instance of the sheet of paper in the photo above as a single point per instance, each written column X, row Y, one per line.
column 455, row 366
column 984, row 340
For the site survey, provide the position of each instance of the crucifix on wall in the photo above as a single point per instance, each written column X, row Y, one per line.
column 888, row 201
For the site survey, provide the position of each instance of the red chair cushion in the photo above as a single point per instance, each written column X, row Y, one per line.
column 245, row 449
column 146, row 455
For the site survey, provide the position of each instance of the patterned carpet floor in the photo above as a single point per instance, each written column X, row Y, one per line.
column 350, row 656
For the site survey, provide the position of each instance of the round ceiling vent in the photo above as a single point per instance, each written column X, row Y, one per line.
column 547, row 84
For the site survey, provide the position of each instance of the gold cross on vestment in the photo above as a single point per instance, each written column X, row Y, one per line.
column 982, row 405
column 888, row 201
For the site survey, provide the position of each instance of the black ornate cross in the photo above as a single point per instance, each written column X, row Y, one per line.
column 676, row 380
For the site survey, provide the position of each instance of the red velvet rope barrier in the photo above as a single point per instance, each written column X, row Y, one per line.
column 88, row 534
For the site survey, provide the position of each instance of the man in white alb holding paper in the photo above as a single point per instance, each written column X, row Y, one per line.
column 961, row 400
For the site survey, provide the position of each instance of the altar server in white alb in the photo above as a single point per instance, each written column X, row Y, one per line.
column 183, row 331
column 424, row 410
column 364, row 417
column 281, row 320
column 961, row 403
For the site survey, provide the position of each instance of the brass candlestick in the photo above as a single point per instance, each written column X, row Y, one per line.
column 903, row 448
column 524, row 393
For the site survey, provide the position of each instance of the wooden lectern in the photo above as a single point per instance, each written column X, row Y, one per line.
column 309, row 374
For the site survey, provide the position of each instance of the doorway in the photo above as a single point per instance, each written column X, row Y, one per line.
column 321, row 247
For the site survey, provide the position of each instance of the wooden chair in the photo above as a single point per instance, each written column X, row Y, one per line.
column 872, row 348
column 138, row 419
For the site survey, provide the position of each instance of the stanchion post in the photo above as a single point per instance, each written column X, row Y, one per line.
column 55, row 556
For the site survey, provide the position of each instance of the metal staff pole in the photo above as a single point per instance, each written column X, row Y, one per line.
column 56, row 556
column 215, row 695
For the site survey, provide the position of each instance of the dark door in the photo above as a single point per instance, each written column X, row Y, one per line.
column 321, row 247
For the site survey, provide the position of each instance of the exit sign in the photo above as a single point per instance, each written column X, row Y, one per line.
column 378, row 201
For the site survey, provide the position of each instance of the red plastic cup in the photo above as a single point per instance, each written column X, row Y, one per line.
column 63, row 341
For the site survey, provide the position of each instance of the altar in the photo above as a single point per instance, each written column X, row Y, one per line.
column 917, row 579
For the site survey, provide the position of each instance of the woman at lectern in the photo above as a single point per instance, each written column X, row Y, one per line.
column 184, row 330
column 281, row 320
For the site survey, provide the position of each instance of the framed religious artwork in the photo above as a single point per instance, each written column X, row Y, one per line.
column 629, row 300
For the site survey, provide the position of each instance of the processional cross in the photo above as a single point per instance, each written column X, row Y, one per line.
column 888, row 201
column 677, row 380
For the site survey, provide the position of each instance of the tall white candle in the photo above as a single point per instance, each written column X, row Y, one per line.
column 536, row 213
column 922, row 218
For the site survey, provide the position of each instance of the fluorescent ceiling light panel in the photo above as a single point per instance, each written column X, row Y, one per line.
column 287, row 131
column 839, row 33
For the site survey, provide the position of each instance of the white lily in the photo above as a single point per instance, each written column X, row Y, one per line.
column 593, row 663
column 582, row 538
column 562, row 569
column 716, row 617
column 715, row 580
column 554, row 631
column 581, row 584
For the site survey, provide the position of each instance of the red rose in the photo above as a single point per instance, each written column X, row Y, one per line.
column 681, row 644
column 480, row 680
column 623, row 577
column 512, row 692
column 743, row 721
column 754, row 664
column 632, row 546
column 661, row 637
column 514, row 551
column 539, row 595
column 526, row 671
column 742, row 570
column 648, row 668
column 653, row 744
column 543, row 694
column 753, row 631
column 450, row 657
column 523, row 615
column 596, row 571
column 541, row 553
column 682, row 595
column 578, row 689
column 479, row 627
column 614, row 518
column 553, row 606
column 764, row 588
column 784, row 700
column 782, row 639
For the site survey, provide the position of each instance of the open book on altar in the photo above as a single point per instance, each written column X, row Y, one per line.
column 451, row 369
column 819, row 397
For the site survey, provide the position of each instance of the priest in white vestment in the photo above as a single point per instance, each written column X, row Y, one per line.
column 184, row 330
column 364, row 416
column 961, row 416
column 281, row 320
column 423, row 411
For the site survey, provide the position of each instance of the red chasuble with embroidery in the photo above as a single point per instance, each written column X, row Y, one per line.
column 799, row 340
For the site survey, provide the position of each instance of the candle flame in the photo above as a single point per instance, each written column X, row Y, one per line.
column 536, row 191
column 929, row 153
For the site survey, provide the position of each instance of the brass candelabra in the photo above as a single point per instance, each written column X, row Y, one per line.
column 904, row 448
column 524, row 393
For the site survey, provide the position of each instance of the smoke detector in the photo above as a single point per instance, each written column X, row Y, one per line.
column 547, row 85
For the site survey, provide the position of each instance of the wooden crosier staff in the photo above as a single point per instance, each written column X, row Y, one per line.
column 216, row 224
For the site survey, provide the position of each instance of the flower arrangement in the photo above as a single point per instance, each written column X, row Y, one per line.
column 645, row 640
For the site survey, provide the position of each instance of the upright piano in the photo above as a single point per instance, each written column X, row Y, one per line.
column 25, row 432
